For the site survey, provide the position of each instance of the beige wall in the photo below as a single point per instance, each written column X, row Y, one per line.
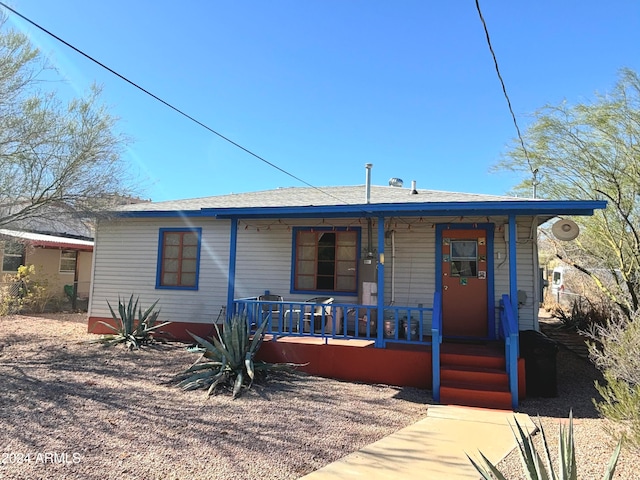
column 47, row 263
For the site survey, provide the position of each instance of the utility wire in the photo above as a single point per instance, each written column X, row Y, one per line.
column 176, row 109
column 504, row 89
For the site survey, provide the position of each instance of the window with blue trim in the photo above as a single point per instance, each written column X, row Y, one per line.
column 178, row 258
column 325, row 260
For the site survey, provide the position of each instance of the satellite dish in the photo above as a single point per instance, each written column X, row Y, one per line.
column 565, row 230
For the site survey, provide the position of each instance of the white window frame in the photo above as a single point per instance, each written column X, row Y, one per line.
column 68, row 259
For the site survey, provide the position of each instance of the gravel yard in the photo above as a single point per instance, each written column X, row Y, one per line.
column 594, row 447
column 112, row 409
column 108, row 413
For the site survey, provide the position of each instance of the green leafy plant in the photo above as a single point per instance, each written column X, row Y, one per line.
column 532, row 462
column 615, row 350
column 132, row 331
column 21, row 292
column 228, row 359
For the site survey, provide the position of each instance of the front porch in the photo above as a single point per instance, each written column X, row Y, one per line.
column 394, row 346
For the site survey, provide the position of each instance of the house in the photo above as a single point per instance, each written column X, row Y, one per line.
column 60, row 261
column 407, row 283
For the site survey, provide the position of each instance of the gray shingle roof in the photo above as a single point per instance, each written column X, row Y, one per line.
column 321, row 196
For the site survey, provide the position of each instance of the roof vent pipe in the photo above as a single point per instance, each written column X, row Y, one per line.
column 413, row 188
column 368, row 182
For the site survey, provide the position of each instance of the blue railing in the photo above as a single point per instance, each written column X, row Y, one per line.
column 436, row 339
column 338, row 320
column 510, row 333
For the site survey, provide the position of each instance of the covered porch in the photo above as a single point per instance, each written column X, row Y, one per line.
column 469, row 293
column 347, row 342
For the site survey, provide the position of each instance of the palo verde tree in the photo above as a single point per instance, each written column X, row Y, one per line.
column 592, row 151
column 56, row 158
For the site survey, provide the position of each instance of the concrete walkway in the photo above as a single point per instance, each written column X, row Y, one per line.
column 433, row 448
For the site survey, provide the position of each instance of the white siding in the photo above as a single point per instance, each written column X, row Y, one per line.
column 264, row 255
column 414, row 264
column 525, row 264
column 125, row 260
column 126, row 257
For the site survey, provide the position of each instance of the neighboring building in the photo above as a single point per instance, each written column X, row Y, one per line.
column 379, row 254
column 59, row 260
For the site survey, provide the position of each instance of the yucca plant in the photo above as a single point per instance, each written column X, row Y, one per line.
column 532, row 462
column 132, row 331
column 228, row 359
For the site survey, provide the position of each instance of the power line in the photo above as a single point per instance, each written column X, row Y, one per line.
column 504, row 89
column 167, row 104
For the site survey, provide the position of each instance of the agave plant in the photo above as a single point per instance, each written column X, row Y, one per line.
column 532, row 462
column 132, row 331
column 228, row 359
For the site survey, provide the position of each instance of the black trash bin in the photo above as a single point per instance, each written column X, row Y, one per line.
column 539, row 353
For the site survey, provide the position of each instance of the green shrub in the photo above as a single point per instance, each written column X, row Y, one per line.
column 132, row 331
column 532, row 462
column 616, row 351
column 22, row 293
column 228, row 359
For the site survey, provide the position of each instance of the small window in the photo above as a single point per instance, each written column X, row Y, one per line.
column 325, row 260
column 464, row 258
column 13, row 256
column 68, row 261
column 178, row 258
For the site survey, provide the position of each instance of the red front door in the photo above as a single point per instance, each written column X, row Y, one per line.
column 464, row 283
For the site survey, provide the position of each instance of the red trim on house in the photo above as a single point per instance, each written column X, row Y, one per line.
column 348, row 360
column 173, row 331
column 66, row 246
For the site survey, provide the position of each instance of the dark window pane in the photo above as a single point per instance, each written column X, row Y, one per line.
column 326, row 268
column 326, row 253
column 325, row 283
column 463, row 268
column 327, row 239
column 11, row 264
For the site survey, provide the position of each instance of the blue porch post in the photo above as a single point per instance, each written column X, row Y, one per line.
column 380, row 316
column 513, row 340
column 231, row 285
column 513, row 268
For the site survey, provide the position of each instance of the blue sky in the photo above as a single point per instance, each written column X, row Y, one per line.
column 320, row 88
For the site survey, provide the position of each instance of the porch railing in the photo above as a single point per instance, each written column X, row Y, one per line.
column 509, row 332
column 401, row 324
